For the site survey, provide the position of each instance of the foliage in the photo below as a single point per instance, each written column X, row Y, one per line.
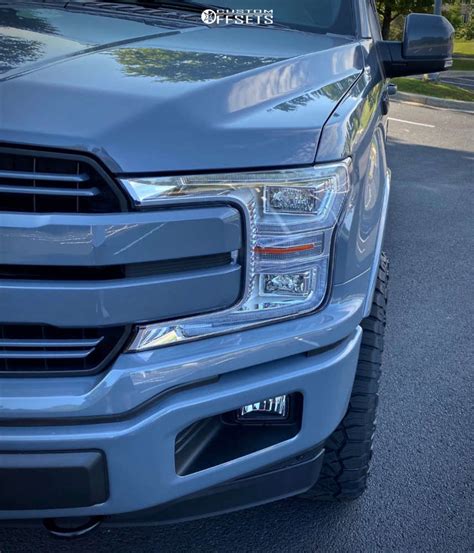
column 466, row 31
column 452, row 12
column 15, row 50
column 390, row 10
column 26, row 19
column 177, row 66
column 392, row 13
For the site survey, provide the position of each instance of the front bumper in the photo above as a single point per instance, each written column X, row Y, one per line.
column 140, row 448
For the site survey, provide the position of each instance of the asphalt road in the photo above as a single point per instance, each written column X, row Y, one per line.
column 420, row 495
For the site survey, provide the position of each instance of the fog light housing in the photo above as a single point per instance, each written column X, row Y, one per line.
column 271, row 409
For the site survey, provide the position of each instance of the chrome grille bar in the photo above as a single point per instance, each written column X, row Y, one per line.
column 40, row 181
column 50, row 343
column 49, row 191
column 33, row 354
column 44, row 350
column 53, row 177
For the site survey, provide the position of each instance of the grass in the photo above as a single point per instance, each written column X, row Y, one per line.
column 438, row 90
column 464, row 55
column 464, row 48
column 463, row 64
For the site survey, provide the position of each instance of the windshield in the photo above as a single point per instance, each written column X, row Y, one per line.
column 319, row 16
column 322, row 16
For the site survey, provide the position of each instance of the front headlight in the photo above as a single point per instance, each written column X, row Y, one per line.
column 290, row 217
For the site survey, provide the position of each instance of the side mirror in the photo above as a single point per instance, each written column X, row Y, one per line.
column 427, row 47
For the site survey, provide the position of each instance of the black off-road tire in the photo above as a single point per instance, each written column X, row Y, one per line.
column 348, row 450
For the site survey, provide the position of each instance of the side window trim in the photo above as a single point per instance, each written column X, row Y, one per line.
column 374, row 22
column 362, row 11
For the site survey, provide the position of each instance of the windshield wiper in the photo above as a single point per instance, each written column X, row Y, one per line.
column 185, row 5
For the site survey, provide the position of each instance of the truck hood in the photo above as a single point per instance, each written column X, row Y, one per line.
column 150, row 93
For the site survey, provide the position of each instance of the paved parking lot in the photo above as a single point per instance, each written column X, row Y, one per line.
column 420, row 495
column 463, row 79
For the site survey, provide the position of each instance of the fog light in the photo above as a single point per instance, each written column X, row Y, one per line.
column 293, row 284
column 274, row 408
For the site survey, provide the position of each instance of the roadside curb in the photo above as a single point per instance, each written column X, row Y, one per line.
column 457, row 73
column 434, row 102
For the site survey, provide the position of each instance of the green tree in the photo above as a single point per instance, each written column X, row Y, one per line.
column 390, row 10
column 452, row 12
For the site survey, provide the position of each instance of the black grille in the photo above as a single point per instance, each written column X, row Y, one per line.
column 112, row 272
column 45, row 350
column 46, row 182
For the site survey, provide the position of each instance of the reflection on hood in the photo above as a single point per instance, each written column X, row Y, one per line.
column 176, row 66
column 167, row 96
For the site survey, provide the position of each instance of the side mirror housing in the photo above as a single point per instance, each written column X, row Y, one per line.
column 427, row 47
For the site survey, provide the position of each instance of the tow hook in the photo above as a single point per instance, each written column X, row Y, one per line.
column 70, row 528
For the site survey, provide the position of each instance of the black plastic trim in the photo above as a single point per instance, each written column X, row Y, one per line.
column 73, row 155
column 395, row 65
column 102, row 365
column 113, row 272
column 287, row 478
column 52, row 480
column 220, row 439
column 291, row 477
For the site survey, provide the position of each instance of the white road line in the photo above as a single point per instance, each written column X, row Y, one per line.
column 411, row 123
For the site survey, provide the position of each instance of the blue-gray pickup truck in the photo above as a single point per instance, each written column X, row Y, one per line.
column 192, row 284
